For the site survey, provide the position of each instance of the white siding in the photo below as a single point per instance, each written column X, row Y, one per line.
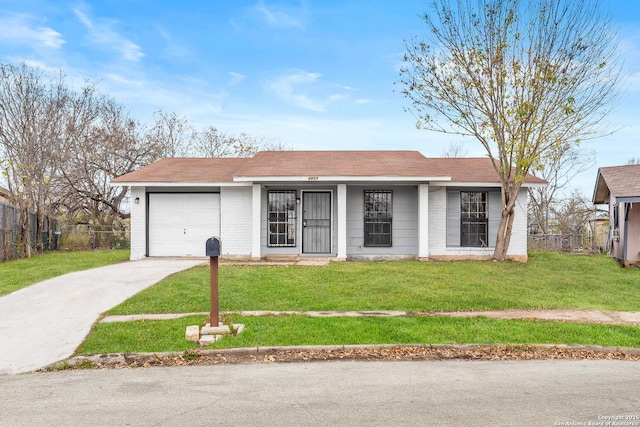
column 518, row 244
column 453, row 218
column 437, row 220
column 138, row 223
column 494, row 206
column 236, row 214
column 423, row 221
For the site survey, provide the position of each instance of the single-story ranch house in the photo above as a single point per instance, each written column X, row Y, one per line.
column 337, row 204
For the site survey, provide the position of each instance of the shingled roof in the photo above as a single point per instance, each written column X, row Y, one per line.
column 618, row 181
column 336, row 163
column 185, row 170
column 324, row 164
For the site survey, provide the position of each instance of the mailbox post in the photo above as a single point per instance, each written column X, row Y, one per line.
column 213, row 249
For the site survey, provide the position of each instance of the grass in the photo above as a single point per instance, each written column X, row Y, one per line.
column 168, row 335
column 548, row 280
column 20, row 273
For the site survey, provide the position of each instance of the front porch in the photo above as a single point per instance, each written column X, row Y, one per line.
column 340, row 221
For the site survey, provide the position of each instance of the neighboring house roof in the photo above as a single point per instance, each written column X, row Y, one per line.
column 336, row 165
column 4, row 194
column 618, row 181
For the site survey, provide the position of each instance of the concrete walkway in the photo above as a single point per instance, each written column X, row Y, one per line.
column 567, row 315
column 44, row 323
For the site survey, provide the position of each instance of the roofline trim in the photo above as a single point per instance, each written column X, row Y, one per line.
column 628, row 199
column 485, row 184
column 312, row 178
column 177, row 184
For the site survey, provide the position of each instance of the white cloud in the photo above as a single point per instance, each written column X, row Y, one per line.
column 21, row 28
column 287, row 87
column 103, row 33
column 173, row 48
column 84, row 19
column 305, row 90
column 120, row 79
column 277, row 18
column 236, row 78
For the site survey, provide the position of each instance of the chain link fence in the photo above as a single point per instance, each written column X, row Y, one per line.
column 73, row 238
column 572, row 243
column 83, row 238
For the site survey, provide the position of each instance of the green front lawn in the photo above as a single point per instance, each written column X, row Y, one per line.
column 548, row 280
column 19, row 273
column 168, row 335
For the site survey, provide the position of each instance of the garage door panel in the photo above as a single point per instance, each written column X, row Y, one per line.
column 179, row 224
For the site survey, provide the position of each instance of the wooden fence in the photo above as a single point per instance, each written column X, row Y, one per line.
column 10, row 220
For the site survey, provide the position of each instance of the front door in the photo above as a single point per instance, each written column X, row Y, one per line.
column 316, row 222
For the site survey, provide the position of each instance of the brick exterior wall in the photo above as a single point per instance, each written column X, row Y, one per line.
column 235, row 220
column 138, row 224
column 438, row 248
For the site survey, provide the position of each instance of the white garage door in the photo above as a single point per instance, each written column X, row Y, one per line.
column 180, row 224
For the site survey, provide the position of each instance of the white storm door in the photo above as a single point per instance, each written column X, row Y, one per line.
column 180, row 224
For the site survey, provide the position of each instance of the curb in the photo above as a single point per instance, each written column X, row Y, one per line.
column 345, row 352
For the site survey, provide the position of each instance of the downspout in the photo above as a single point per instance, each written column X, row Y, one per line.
column 626, row 232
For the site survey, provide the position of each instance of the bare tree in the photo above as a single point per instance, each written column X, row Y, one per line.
column 172, row 134
column 32, row 106
column 455, row 149
column 521, row 77
column 210, row 142
column 558, row 169
column 572, row 215
column 112, row 145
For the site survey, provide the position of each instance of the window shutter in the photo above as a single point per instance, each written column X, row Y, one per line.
column 495, row 212
column 453, row 218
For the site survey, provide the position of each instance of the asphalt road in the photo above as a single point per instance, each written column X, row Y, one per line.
column 445, row 393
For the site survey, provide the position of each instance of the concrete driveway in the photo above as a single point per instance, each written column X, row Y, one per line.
column 46, row 322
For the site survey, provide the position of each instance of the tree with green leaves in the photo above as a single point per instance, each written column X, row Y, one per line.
column 521, row 77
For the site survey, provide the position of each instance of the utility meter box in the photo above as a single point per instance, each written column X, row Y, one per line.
column 213, row 247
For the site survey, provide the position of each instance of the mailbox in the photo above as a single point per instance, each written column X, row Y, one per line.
column 213, row 247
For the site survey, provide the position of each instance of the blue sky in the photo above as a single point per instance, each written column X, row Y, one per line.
column 312, row 74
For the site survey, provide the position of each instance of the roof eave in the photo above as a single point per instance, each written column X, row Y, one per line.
column 307, row 178
column 488, row 184
column 600, row 191
column 177, row 184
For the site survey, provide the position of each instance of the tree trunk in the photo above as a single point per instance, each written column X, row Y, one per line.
column 500, row 252
column 39, row 221
column 505, row 227
column 25, row 234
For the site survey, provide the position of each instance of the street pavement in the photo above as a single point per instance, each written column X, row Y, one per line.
column 353, row 393
column 44, row 323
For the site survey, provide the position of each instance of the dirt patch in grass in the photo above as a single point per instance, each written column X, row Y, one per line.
column 350, row 353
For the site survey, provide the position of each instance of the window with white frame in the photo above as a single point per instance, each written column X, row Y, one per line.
column 281, row 218
column 378, row 216
column 473, row 219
